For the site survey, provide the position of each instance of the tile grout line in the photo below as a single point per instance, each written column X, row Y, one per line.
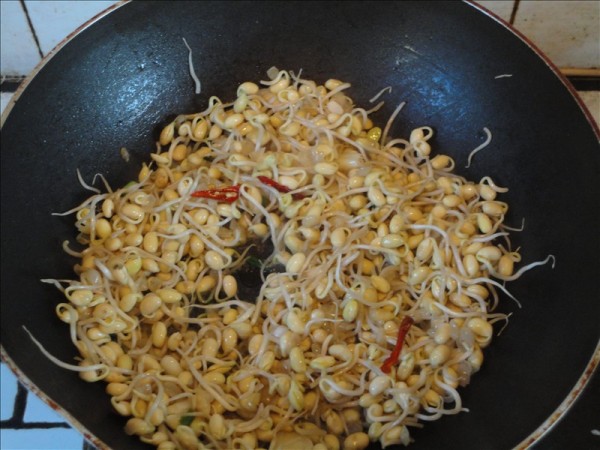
column 513, row 13
column 31, row 27
column 37, row 426
column 19, row 405
column 17, row 421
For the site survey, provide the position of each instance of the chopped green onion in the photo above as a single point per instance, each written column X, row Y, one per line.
column 186, row 420
column 253, row 261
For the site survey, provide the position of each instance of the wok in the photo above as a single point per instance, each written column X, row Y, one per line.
column 118, row 81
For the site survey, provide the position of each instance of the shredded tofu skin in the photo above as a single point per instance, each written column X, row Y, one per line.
column 369, row 232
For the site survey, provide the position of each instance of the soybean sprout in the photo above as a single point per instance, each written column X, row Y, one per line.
column 375, row 238
column 481, row 147
column 197, row 83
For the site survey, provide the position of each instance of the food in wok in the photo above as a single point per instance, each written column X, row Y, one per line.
column 286, row 274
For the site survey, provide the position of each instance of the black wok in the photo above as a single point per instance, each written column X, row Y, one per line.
column 120, row 79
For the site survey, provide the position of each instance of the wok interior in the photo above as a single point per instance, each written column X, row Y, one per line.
column 120, row 80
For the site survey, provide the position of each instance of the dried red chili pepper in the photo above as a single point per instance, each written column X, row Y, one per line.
column 280, row 187
column 227, row 194
column 395, row 355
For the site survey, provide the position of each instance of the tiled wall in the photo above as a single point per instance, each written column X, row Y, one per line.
column 30, row 29
column 28, row 423
column 567, row 31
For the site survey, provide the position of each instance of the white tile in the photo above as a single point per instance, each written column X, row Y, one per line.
column 592, row 101
column 49, row 439
column 8, row 392
column 38, row 411
column 502, row 8
column 6, row 96
column 18, row 51
column 55, row 20
column 568, row 32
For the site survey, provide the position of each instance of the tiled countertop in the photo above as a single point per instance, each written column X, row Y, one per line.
column 28, row 423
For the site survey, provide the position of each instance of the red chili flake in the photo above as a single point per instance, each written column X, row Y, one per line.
column 395, row 355
column 227, row 194
column 280, row 187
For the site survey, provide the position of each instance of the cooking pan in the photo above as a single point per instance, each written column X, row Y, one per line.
column 459, row 69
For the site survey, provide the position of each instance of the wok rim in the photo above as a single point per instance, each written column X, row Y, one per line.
column 553, row 67
column 536, row 435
